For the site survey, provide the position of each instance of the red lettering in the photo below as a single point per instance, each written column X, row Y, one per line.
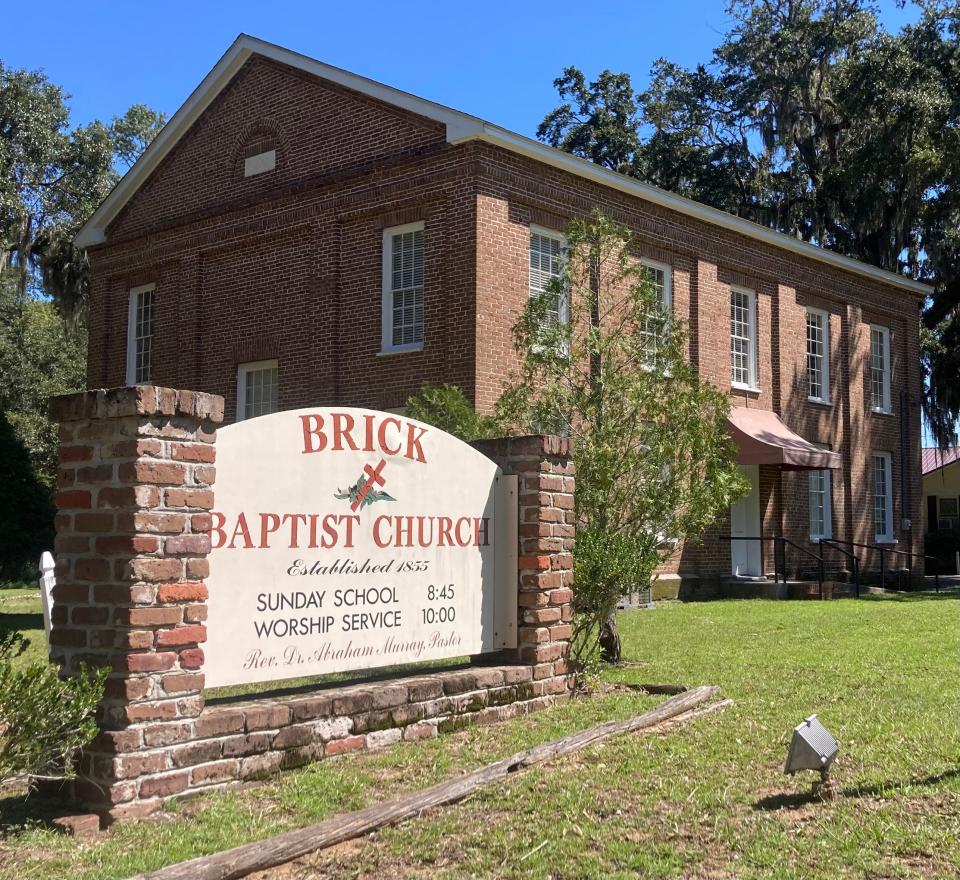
column 368, row 433
column 404, row 531
column 482, row 524
column 461, row 540
column 330, row 531
column 422, row 539
column 313, row 530
column 382, row 435
column 414, row 436
column 444, row 524
column 380, row 542
column 313, row 430
column 242, row 530
column 350, row 519
column 342, row 426
column 274, row 520
column 216, row 528
column 294, row 519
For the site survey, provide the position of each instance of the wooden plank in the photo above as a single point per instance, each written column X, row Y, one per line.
column 257, row 856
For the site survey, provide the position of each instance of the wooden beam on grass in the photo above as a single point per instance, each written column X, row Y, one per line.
column 257, row 856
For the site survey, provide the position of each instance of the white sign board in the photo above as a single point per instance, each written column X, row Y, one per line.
column 347, row 539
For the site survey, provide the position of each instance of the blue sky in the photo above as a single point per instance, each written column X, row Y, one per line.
column 494, row 59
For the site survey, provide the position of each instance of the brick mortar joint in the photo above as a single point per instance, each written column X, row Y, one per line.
column 139, row 401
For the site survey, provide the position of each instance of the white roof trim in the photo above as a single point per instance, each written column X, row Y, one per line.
column 461, row 127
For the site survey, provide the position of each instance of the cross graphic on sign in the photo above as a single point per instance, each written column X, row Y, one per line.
column 373, row 478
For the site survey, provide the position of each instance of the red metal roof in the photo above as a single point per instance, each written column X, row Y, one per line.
column 933, row 458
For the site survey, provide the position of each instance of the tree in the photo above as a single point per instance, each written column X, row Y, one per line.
column 446, row 407
column 655, row 463
column 601, row 123
column 51, row 180
column 40, row 355
column 811, row 120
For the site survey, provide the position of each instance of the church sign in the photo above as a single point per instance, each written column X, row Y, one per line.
column 347, row 539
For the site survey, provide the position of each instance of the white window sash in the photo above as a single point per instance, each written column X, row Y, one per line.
column 666, row 301
column 245, row 370
column 885, row 368
column 816, row 490
column 535, row 288
column 824, row 319
column 133, row 350
column 387, row 345
column 883, row 465
column 751, row 339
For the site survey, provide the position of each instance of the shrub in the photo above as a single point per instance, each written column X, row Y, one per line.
column 655, row 463
column 44, row 719
column 607, row 566
column 446, row 407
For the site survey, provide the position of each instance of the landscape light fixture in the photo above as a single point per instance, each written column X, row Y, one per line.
column 813, row 748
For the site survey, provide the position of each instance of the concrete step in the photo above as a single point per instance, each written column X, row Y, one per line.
column 739, row 588
column 811, row 590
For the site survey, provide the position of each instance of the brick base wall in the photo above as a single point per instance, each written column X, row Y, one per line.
column 249, row 739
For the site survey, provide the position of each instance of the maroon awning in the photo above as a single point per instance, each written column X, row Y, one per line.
column 763, row 439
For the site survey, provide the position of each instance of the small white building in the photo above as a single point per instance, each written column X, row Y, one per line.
column 941, row 500
column 941, row 489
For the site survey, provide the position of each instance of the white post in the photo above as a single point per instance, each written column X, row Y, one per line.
column 47, row 582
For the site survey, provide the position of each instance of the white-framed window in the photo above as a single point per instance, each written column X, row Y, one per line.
column 882, row 496
column 818, row 355
column 948, row 513
column 880, row 369
column 403, row 249
column 821, row 505
column 660, row 277
column 547, row 254
column 140, row 334
column 743, row 338
column 256, row 389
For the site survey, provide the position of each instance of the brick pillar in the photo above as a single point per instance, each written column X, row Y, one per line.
column 135, row 478
column 545, row 470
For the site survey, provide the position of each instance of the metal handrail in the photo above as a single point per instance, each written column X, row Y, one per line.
column 830, row 542
column 783, row 541
column 883, row 550
column 780, row 541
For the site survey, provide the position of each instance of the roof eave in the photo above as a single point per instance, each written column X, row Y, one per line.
column 460, row 127
column 582, row 168
column 94, row 231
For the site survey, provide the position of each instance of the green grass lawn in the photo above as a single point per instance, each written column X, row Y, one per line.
column 20, row 610
column 708, row 800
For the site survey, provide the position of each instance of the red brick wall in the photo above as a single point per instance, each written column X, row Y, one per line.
column 320, row 130
column 288, row 265
column 516, row 192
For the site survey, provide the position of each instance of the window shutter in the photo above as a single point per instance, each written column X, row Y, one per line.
column 932, row 513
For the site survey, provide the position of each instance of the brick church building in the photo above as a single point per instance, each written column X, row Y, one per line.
column 299, row 235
